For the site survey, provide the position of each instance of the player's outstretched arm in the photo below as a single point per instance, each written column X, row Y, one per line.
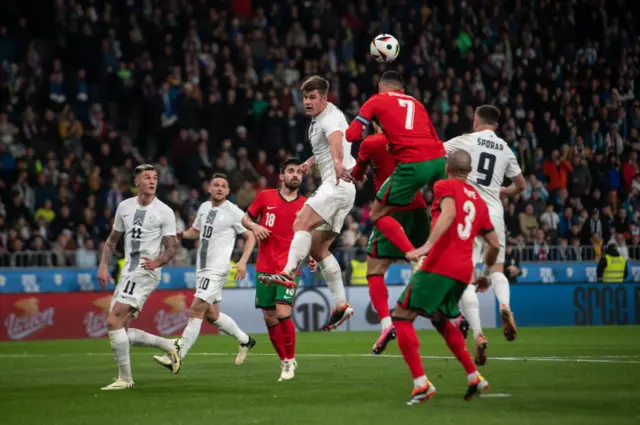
column 518, row 185
column 190, row 233
column 259, row 231
column 107, row 253
column 249, row 245
column 170, row 243
column 447, row 214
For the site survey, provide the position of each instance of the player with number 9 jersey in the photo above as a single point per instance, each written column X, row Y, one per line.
column 413, row 141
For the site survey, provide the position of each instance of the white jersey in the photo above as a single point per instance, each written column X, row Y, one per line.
column 491, row 160
column 218, row 228
column 330, row 120
column 143, row 228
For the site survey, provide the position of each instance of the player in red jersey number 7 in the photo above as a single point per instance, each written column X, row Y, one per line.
column 381, row 252
column 414, row 145
column 434, row 291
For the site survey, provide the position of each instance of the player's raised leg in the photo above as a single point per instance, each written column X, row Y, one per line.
column 332, row 273
column 305, row 223
column 471, row 306
column 229, row 326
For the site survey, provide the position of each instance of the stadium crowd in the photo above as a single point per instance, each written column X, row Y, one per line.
column 91, row 88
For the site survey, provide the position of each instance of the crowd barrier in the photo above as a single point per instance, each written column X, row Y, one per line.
column 174, row 278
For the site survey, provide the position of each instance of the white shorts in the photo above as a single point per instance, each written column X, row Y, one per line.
column 134, row 288
column 479, row 244
column 209, row 286
column 333, row 203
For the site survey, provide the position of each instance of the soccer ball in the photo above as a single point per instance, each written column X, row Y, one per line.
column 384, row 48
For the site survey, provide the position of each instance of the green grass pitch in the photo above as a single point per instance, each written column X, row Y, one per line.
column 548, row 376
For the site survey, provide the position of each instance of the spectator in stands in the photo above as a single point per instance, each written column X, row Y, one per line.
column 528, row 220
column 556, row 170
column 512, row 264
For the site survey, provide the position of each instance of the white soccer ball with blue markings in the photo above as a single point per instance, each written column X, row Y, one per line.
column 384, row 48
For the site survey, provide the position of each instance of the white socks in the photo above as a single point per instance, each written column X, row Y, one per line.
column 120, row 348
column 139, row 338
column 501, row 288
column 332, row 274
column 190, row 335
column 385, row 322
column 471, row 308
column 299, row 250
column 229, row 326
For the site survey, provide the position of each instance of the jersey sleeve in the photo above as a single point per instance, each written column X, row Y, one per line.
column 442, row 190
column 255, row 209
column 368, row 110
column 168, row 222
column 331, row 123
column 513, row 168
column 362, row 163
column 118, row 222
column 237, row 220
column 196, row 223
column 454, row 144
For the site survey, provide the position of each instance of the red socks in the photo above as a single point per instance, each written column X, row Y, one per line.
column 379, row 295
column 289, row 332
column 276, row 335
column 409, row 346
column 394, row 232
column 455, row 341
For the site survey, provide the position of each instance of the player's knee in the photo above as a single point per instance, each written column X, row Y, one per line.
column 301, row 224
column 402, row 314
column 470, row 298
column 283, row 311
column 116, row 320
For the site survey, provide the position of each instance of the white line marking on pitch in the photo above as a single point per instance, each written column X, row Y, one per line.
column 495, row 395
column 614, row 360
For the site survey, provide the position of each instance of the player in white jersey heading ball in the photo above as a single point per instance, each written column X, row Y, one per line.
column 492, row 160
column 217, row 225
column 322, row 217
column 148, row 225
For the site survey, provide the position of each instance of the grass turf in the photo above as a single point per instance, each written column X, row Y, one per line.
column 552, row 376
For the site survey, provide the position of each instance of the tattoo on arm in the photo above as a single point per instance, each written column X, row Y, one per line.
column 170, row 249
column 110, row 247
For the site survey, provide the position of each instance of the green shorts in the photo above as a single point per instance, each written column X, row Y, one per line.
column 428, row 292
column 408, row 178
column 267, row 296
column 415, row 224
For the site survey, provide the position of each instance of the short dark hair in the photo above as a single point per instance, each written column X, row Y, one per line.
column 220, row 176
column 393, row 78
column 315, row 82
column 290, row 161
column 143, row 167
column 488, row 114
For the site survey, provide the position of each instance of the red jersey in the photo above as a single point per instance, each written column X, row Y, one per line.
column 451, row 255
column 276, row 215
column 373, row 152
column 406, row 123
